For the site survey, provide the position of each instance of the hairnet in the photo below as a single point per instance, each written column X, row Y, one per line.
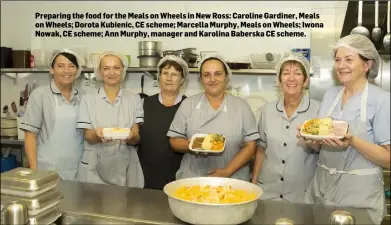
column 123, row 59
column 57, row 52
column 362, row 46
column 180, row 61
column 297, row 57
column 218, row 57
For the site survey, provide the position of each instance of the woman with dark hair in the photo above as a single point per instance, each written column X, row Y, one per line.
column 52, row 141
column 159, row 110
column 215, row 111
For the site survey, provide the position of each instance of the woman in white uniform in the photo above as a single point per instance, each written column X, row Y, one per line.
column 51, row 139
column 349, row 171
column 287, row 164
column 214, row 111
column 111, row 161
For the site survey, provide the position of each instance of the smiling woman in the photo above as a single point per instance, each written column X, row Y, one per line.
column 51, row 139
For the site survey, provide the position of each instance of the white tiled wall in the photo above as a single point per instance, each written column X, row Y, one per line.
column 17, row 20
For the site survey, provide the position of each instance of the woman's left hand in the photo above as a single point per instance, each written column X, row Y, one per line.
column 337, row 143
column 219, row 173
column 128, row 138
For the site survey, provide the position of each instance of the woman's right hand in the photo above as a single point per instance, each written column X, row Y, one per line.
column 99, row 133
column 314, row 144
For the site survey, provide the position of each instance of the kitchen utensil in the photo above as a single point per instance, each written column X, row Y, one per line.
column 26, row 182
column 150, row 52
column 238, row 65
column 26, row 93
column 376, row 32
column 142, row 94
column 190, row 50
column 36, row 205
column 386, row 39
column 13, row 106
column 148, row 61
column 264, row 60
column 15, row 213
column 341, row 218
column 360, row 29
column 205, row 54
column 209, row 213
column 157, row 45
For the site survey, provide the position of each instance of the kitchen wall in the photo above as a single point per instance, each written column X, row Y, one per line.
column 17, row 22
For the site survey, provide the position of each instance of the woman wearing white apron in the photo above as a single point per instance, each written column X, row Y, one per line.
column 214, row 111
column 287, row 164
column 111, row 161
column 349, row 171
column 50, row 120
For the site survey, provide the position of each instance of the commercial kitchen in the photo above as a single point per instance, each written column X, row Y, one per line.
column 23, row 68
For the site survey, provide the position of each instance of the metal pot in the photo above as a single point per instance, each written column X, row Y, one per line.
column 190, row 50
column 150, row 52
column 189, row 58
column 150, row 45
column 148, row 61
column 209, row 213
column 15, row 213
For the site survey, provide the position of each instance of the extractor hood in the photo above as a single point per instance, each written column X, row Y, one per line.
column 368, row 20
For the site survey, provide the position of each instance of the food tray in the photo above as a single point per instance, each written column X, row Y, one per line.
column 38, row 204
column 25, row 182
column 202, row 150
column 334, row 134
column 116, row 133
column 46, row 218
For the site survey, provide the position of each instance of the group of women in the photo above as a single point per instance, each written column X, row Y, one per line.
column 63, row 129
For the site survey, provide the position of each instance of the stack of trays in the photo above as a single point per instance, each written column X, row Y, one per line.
column 38, row 189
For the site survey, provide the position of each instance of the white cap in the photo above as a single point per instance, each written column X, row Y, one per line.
column 123, row 59
column 57, row 52
column 180, row 61
column 218, row 57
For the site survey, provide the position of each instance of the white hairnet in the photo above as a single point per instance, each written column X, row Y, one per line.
column 57, row 52
column 180, row 61
column 362, row 46
column 123, row 59
column 218, row 57
column 292, row 56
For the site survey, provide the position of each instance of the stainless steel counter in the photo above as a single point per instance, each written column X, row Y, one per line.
column 143, row 206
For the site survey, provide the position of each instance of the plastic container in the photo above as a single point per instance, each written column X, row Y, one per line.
column 116, row 133
column 321, row 137
column 202, row 150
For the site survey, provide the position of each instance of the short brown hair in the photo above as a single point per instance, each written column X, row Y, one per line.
column 172, row 63
column 292, row 62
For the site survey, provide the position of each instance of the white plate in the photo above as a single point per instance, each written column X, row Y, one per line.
column 108, row 133
column 201, row 150
column 319, row 138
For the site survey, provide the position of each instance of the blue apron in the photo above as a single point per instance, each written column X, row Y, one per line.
column 62, row 152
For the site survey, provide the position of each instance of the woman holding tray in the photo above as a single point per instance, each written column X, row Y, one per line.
column 349, row 172
column 214, row 111
column 106, row 160
column 287, row 164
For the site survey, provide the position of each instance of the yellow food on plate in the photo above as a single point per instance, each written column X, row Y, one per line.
column 214, row 142
column 213, row 194
column 321, row 127
column 119, row 130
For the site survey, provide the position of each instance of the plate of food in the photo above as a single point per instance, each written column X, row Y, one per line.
column 207, row 143
column 322, row 128
column 116, row 133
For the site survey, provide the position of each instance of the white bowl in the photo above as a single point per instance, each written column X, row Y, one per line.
column 209, row 213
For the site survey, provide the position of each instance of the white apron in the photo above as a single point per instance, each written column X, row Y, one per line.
column 218, row 121
column 113, row 163
column 62, row 152
column 349, row 179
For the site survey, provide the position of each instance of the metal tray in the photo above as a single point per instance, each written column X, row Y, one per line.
column 27, row 182
column 46, row 218
column 38, row 204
